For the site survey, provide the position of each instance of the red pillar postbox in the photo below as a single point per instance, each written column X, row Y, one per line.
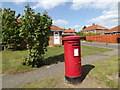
column 72, row 56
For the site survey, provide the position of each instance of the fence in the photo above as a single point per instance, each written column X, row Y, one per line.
column 104, row 38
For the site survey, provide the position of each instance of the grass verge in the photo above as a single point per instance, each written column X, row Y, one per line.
column 45, row 83
column 103, row 74
column 106, row 72
column 98, row 49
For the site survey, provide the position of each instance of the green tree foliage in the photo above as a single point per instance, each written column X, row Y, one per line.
column 0, row 24
column 84, row 27
column 35, row 30
column 89, row 34
column 82, row 34
column 93, row 24
column 10, row 27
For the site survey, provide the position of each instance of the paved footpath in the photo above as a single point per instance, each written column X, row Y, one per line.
column 104, row 45
column 18, row 80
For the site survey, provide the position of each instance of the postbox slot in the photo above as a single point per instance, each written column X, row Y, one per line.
column 74, row 42
column 75, row 45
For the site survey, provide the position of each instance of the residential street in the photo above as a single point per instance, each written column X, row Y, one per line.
column 59, row 44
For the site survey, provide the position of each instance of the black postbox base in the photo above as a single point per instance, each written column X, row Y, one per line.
column 73, row 80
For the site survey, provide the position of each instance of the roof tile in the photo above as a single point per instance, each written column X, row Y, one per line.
column 94, row 27
column 53, row 27
column 69, row 30
column 117, row 28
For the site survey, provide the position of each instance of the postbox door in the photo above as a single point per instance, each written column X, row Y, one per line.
column 76, row 59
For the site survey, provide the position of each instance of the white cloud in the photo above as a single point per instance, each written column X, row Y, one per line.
column 108, row 17
column 48, row 4
column 60, row 22
column 45, row 4
column 97, row 4
column 17, row 2
column 76, row 27
column 20, row 1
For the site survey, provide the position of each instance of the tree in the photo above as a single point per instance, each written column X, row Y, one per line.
column 84, row 27
column 80, row 33
column 10, row 27
column 35, row 29
column 84, row 35
column 0, row 24
column 93, row 24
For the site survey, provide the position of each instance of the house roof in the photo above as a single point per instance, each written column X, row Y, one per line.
column 69, row 30
column 54, row 28
column 71, row 34
column 94, row 27
column 117, row 28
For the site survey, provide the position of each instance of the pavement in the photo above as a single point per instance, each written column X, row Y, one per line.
column 104, row 45
column 18, row 80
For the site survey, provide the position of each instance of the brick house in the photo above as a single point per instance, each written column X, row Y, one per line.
column 68, row 32
column 55, row 36
column 97, row 29
column 115, row 30
column 110, row 36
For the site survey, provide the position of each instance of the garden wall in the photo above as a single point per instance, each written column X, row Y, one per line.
column 104, row 38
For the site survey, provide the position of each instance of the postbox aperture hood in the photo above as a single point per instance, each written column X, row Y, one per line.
column 72, row 38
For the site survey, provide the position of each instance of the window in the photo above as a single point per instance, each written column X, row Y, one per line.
column 56, row 32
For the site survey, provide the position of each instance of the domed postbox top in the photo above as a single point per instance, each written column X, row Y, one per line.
column 72, row 38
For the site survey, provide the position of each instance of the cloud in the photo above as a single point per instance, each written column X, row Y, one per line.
column 76, row 27
column 96, row 4
column 48, row 4
column 60, row 22
column 20, row 1
column 108, row 17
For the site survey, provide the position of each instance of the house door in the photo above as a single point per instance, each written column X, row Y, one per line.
column 56, row 38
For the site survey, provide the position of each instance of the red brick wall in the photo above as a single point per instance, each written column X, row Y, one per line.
column 103, row 38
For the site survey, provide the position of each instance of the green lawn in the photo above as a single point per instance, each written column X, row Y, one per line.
column 97, row 49
column 11, row 60
column 106, row 72
column 103, row 73
column 45, row 83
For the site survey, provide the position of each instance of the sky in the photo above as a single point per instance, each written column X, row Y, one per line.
column 72, row 14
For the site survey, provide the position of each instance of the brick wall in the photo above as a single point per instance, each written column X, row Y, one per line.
column 103, row 38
